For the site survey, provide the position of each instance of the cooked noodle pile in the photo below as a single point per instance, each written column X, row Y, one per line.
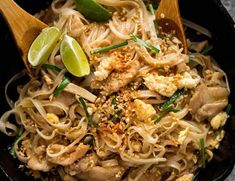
column 131, row 137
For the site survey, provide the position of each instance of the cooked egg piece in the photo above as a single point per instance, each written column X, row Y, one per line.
column 144, row 111
column 219, row 120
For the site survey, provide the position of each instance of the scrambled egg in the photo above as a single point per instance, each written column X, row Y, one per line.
column 161, row 84
column 104, row 69
column 183, row 135
column 189, row 80
column 53, row 118
column 144, row 111
column 214, row 142
column 167, row 85
column 219, row 120
column 188, row 177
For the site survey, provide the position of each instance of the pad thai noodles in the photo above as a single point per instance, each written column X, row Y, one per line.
column 145, row 111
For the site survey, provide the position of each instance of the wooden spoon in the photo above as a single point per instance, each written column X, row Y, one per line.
column 24, row 27
column 168, row 17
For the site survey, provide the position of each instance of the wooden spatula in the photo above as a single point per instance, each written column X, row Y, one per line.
column 24, row 27
column 168, row 17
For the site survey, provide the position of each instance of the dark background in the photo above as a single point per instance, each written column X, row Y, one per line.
column 208, row 13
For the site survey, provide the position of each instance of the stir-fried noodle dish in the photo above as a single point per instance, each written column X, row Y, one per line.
column 116, row 98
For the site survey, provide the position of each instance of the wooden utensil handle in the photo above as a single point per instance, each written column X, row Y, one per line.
column 24, row 26
column 14, row 16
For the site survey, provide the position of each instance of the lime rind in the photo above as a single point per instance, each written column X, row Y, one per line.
column 73, row 57
column 93, row 10
column 43, row 46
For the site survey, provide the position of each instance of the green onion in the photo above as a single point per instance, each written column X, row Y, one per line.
column 51, row 67
column 172, row 99
column 116, row 116
column 105, row 49
column 117, row 113
column 65, row 81
column 207, row 49
column 151, row 9
column 114, row 102
column 164, row 113
column 203, row 155
column 12, row 149
column 145, row 44
column 228, row 109
column 88, row 116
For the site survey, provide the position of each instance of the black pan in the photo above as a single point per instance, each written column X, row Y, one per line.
column 208, row 13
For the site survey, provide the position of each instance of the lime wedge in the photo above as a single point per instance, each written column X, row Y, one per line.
column 73, row 57
column 43, row 45
column 92, row 10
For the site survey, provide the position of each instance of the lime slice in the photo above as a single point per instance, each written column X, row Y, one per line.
column 92, row 10
column 73, row 57
column 43, row 45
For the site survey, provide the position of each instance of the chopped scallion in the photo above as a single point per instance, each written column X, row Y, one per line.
column 117, row 113
column 145, row 44
column 88, row 116
column 172, row 99
column 65, row 81
column 12, row 150
column 51, row 67
column 228, row 109
column 206, row 50
column 164, row 113
column 105, row 49
column 151, row 9
column 203, row 155
column 116, row 116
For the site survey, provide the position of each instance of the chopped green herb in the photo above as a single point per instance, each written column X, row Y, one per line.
column 206, row 50
column 114, row 102
column 117, row 113
column 164, row 113
column 172, row 99
column 51, row 67
column 116, row 116
column 228, row 109
column 203, row 155
column 12, row 150
column 88, row 116
column 145, row 44
column 65, row 81
column 151, row 9
column 156, row 26
column 105, row 49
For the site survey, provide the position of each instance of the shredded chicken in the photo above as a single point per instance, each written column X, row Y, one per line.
column 208, row 101
column 70, row 157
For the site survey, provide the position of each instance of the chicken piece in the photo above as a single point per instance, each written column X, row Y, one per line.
column 208, row 101
column 35, row 163
column 117, row 79
column 219, row 120
column 161, row 84
column 76, row 27
column 70, row 157
column 144, row 111
column 99, row 173
column 65, row 98
column 188, row 177
column 69, row 178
